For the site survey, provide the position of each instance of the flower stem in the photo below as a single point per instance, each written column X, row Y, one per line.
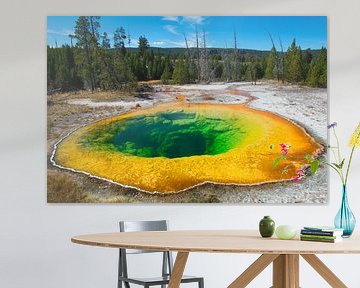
column 339, row 155
column 334, row 154
column 337, row 171
column 348, row 167
column 337, row 143
column 351, row 156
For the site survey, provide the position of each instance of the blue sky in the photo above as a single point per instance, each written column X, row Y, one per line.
column 168, row 31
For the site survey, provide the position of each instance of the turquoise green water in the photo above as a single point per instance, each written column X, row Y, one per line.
column 170, row 134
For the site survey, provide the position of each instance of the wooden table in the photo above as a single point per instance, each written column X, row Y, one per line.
column 284, row 254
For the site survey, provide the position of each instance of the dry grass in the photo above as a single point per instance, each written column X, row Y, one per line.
column 57, row 111
column 63, row 189
column 58, row 107
column 105, row 95
column 95, row 96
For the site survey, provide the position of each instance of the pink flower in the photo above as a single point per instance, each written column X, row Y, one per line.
column 299, row 174
column 284, row 149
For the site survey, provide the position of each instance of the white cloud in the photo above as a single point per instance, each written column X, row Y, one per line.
column 169, row 43
column 158, row 43
column 64, row 32
column 171, row 18
column 194, row 19
column 171, row 29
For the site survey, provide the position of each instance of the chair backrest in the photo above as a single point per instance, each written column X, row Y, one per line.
column 133, row 226
column 137, row 226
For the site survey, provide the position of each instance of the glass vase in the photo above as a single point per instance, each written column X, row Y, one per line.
column 345, row 219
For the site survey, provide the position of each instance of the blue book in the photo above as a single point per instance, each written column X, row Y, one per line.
column 322, row 231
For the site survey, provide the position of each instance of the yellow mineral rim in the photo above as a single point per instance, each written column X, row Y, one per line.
column 248, row 161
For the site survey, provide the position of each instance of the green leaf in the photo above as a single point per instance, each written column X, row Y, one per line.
column 336, row 165
column 342, row 163
column 333, row 167
column 314, row 166
column 308, row 157
column 276, row 162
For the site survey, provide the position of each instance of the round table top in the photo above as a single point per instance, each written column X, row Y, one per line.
column 217, row 241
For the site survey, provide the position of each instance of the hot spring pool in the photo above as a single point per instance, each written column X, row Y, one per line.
column 169, row 134
column 172, row 147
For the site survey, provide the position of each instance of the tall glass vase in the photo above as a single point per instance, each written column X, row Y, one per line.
column 345, row 219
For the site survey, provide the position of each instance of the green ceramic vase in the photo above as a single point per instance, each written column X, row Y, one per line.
column 267, row 227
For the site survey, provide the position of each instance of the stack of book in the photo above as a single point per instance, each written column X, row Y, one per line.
column 321, row 234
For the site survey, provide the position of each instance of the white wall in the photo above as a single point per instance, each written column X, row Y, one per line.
column 35, row 248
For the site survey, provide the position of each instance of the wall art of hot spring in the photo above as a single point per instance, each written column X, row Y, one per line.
column 157, row 109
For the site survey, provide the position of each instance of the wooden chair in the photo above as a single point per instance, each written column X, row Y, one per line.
column 167, row 263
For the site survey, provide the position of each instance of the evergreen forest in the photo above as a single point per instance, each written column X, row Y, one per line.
column 102, row 61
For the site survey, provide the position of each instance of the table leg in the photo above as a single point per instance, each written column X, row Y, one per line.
column 253, row 270
column 178, row 269
column 324, row 271
column 286, row 271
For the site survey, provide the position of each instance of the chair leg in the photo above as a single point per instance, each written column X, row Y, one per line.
column 164, row 266
column 120, row 273
column 201, row 283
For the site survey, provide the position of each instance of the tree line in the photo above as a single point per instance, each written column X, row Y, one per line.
column 93, row 63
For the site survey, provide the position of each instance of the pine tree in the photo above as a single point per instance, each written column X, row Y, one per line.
column 158, row 66
column 317, row 75
column 254, row 71
column 150, row 64
column 307, row 59
column 181, row 72
column 51, row 66
column 271, row 64
column 216, row 67
column 62, row 72
column 108, row 78
column 86, row 33
column 165, row 77
column 294, row 65
column 143, row 45
column 119, row 41
column 69, row 77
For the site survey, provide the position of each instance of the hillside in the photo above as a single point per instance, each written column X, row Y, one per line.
column 220, row 51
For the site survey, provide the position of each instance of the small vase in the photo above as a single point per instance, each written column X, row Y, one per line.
column 267, row 227
column 345, row 219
